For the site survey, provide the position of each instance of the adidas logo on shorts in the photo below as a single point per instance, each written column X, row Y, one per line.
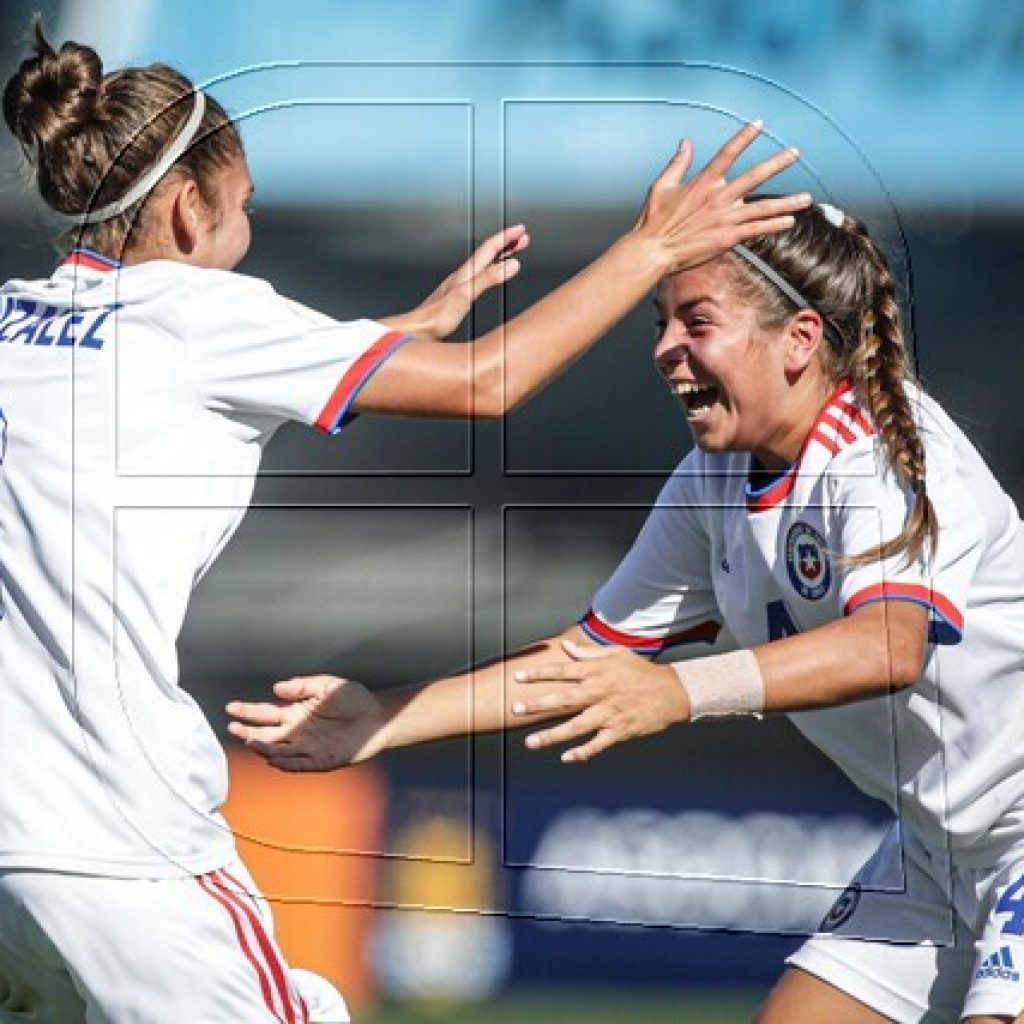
column 998, row 965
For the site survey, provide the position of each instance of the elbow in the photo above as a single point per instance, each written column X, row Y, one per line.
column 892, row 638
column 905, row 662
column 487, row 407
column 492, row 399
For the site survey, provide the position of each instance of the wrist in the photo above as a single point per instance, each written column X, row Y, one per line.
column 645, row 253
column 390, row 704
column 679, row 709
column 415, row 322
column 722, row 685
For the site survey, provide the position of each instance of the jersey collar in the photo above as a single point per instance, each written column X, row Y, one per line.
column 762, row 499
column 83, row 257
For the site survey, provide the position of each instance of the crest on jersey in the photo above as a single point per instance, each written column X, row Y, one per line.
column 842, row 910
column 807, row 561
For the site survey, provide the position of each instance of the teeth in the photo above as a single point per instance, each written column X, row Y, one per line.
column 690, row 389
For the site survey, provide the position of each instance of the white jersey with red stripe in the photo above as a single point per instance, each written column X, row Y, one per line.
column 765, row 563
column 136, row 402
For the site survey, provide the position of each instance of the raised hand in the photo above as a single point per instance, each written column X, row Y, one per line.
column 615, row 696
column 493, row 263
column 696, row 220
column 320, row 723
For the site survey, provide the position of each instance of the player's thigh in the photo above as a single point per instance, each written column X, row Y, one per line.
column 34, row 982
column 801, row 998
column 165, row 951
column 34, row 990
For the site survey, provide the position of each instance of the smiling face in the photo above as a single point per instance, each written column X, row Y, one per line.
column 743, row 387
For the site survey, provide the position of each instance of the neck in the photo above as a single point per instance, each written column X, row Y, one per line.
column 786, row 440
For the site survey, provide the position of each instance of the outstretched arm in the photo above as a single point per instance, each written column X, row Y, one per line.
column 322, row 722
column 680, row 226
column 609, row 693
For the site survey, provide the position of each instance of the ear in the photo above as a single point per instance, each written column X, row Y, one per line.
column 187, row 216
column 804, row 337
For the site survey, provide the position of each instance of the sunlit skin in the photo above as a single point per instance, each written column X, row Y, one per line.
column 180, row 225
column 225, row 233
column 767, row 386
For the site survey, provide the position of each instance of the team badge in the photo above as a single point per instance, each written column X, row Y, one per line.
column 807, row 561
column 842, row 910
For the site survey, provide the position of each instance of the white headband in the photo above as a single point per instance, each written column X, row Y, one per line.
column 156, row 172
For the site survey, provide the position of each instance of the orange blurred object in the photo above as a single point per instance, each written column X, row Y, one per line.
column 312, row 842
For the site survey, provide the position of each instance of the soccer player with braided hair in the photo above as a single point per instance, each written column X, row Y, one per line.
column 840, row 534
column 139, row 384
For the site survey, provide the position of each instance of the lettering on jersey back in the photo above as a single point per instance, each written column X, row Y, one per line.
column 25, row 322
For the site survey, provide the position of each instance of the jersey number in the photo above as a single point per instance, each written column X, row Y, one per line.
column 1012, row 903
column 780, row 622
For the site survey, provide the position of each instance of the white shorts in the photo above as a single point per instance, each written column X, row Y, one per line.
column 943, row 943
column 80, row 948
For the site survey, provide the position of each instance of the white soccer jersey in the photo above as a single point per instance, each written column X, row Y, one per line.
column 715, row 552
column 136, row 403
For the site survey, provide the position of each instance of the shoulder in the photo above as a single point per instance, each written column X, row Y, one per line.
column 201, row 282
column 943, row 440
column 205, row 303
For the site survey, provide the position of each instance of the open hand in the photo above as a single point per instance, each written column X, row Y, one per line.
column 320, row 723
column 493, row 263
column 616, row 696
column 696, row 220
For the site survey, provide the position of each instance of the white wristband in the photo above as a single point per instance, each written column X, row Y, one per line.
column 724, row 684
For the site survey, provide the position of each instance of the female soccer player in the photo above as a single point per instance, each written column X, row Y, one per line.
column 138, row 386
column 870, row 572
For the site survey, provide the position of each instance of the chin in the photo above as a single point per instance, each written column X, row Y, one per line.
column 715, row 445
column 707, row 442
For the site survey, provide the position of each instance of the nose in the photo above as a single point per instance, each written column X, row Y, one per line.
column 672, row 346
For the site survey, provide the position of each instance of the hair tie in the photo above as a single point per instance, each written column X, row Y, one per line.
column 832, row 214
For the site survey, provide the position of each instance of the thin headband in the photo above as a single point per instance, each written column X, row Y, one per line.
column 835, row 217
column 774, row 276
column 156, row 172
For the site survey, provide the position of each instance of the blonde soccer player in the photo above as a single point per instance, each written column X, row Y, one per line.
column 870, row 572
column 139, row 384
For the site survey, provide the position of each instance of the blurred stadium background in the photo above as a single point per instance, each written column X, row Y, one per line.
column 666, row 880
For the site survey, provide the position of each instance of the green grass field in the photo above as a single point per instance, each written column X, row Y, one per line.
column 587, row 1007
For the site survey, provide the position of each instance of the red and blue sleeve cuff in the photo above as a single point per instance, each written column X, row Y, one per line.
column 602, row 633
column 946, row 621
column 335, row 413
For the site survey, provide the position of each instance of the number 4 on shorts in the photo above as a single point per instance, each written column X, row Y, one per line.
column 1012, row 903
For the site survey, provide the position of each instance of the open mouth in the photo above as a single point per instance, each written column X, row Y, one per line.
column 697, row 399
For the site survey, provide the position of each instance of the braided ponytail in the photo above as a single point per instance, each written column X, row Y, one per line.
column 879, row 370
column 840, row 271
